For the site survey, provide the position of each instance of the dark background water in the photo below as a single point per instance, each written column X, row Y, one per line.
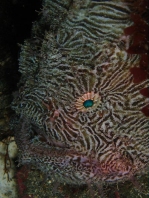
column 16, row 18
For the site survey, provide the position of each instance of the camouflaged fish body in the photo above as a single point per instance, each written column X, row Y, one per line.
column 80, row 111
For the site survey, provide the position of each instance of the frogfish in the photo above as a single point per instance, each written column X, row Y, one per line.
column 82, row 102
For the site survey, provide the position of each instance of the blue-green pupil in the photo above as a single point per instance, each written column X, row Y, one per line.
column 88, row 103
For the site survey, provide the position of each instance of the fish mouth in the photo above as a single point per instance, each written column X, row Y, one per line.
column 56, row 158
column 74, row 166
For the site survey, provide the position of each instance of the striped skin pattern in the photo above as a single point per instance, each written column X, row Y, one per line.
column 84, row 54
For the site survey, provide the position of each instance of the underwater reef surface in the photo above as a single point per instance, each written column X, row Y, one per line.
column 82, row 104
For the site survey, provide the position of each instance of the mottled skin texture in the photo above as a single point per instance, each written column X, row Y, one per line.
column 83, row 54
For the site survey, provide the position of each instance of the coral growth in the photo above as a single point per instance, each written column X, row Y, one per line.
column 139, row 32
column 21, row 176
